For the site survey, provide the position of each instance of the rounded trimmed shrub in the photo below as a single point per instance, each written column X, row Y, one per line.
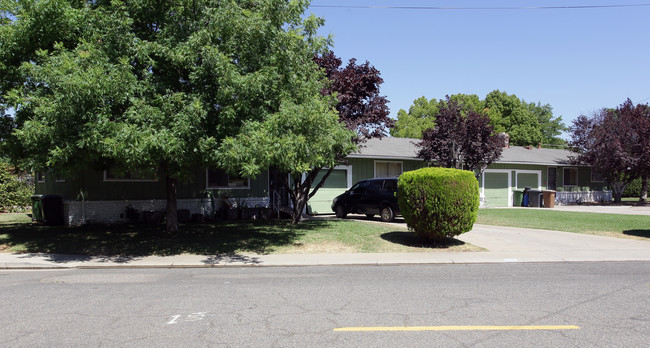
column 633, row 189
column 438, row 202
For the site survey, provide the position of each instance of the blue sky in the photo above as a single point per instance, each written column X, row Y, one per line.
column 576, row 60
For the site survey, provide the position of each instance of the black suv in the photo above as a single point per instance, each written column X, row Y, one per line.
column 370, row 197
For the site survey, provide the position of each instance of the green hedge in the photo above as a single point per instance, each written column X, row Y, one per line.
column 15, row 190
column 633, row 189
column 438, row 202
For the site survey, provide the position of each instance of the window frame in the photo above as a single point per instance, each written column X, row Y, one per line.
column 596, row 180
column 564, row 184
column 41, row 177
column 107, row 179
column 208, row 187
column 401, row 164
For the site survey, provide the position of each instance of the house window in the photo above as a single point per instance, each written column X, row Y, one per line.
column 388, row 169
column 595, row 177
column 110, row 175
column 218, row 178
column 570, row 176
column 40, row 177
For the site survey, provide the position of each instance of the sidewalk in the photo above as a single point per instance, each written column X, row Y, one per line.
column 504, row 244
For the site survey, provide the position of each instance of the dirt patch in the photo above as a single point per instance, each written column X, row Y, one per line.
column 321, row 248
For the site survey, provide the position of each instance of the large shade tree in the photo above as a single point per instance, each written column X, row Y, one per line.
column 613, row 142
column 148, row 85
column 461, row 139
column 350, row 111
column 525, row 123
column 299, row 140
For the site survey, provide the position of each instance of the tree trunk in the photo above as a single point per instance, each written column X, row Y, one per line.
column 300, row 193
column 643, row 198
column 298, row 207
column 172, row 216
column 617, row 191
column 297, row 198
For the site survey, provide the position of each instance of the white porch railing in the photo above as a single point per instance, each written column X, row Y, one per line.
column 568, row 197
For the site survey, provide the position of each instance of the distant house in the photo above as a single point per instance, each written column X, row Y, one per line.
column 103, row 196
column 518, row 168
column 540, row 169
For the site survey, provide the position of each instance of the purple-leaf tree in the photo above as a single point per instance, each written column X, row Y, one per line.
column 614, row 144
column 461, row 140
column 643, row 126
column 360, row 106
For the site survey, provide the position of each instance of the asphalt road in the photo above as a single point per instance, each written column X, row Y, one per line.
column 597, row 304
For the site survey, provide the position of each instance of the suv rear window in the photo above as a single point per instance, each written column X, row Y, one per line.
column 374, row 186
column 390, row 185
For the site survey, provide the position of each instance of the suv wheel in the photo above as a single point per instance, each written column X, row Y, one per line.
column 340, row 212
column 387, row 214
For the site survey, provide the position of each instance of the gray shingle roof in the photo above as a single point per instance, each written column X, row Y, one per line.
column 522, row 155
column 405, row 148
column 388, row 148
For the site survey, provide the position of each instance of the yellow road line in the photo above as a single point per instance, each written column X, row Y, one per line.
column 460, row 328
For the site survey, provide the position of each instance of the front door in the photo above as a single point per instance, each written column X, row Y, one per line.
column 552, row 174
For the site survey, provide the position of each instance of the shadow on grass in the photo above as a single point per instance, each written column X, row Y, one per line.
column 638, row 233
column 411, row 240
column 122, row 243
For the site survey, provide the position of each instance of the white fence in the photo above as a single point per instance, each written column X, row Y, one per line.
column 568, row 197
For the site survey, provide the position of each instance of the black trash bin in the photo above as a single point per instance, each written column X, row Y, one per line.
column 52, row 210
column 535, row 198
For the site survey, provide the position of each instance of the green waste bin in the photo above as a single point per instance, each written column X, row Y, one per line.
column 37, row 208
column 47, row 209
column 517, row 196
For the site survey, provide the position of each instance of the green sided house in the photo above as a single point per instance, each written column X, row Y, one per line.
column 103, row 196
column 388, row 157
column 518, row 168
column 539, row 169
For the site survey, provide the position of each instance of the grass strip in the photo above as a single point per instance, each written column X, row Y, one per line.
column 18, row 234
column 618, row 225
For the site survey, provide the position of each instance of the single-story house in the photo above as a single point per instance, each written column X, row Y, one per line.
column 519, row 167
column 103, row 197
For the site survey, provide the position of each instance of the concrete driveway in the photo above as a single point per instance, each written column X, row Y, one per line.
column 525, row 244
column 605, row 209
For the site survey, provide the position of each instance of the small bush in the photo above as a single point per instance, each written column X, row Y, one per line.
column 438, row 202
column 15, row 190
column 633, row 189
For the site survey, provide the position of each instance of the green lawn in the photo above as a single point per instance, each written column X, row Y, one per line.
column 18, row 234
column 618, row 225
